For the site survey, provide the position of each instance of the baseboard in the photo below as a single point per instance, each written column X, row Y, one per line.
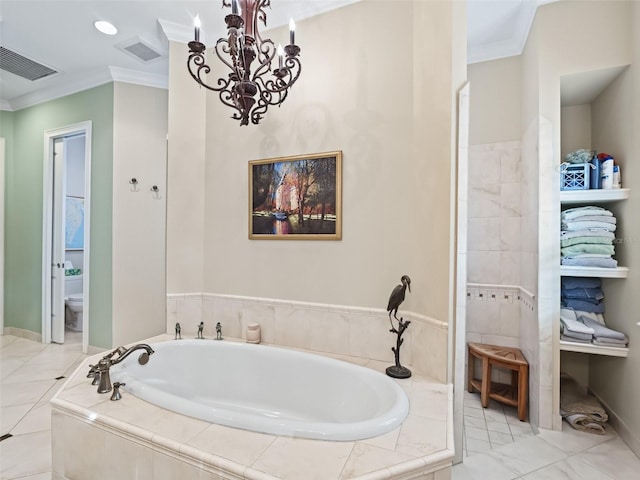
column 627, row 435
column 22, row 333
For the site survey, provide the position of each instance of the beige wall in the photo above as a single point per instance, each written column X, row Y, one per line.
column 394, row 126
column 496, row 100
column 185, row 174
column 616, row 119
column 575, row 129
column 139, row 150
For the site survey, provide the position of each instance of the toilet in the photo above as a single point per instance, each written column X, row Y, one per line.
column 73, row 302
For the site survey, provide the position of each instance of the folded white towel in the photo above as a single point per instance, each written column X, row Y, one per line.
column 574, row 339
column 593, row 218
column 584, row 211
column 591, row 232
column 575, row 225
column 609, row 343
column 596, row 317
column 566, row 334
column 601, row 331
column 570, row 321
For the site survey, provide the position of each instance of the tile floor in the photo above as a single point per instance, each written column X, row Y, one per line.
column 488, row 429
column 497, row 445
column 28, row 379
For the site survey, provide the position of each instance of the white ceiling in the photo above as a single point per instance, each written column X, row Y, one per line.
column 60, row 34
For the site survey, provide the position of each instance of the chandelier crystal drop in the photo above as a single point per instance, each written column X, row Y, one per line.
column 252, row 85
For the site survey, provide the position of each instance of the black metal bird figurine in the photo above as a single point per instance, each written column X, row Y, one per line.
column 396, row 298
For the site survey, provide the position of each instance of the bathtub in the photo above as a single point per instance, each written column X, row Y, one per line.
column 266, row 389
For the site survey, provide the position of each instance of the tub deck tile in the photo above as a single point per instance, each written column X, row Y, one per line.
column 368, row 458
column 237, row 445
column 297, row 458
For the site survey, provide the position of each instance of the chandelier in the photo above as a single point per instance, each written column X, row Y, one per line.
column 251, row 86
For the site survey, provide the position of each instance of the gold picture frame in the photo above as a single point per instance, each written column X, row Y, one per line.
column 296, row 198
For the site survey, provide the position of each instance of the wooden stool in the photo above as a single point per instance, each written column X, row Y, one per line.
column 512, row 359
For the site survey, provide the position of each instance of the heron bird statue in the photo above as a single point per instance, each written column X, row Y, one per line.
column 396, row 298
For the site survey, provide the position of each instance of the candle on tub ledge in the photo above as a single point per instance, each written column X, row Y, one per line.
column 253, row 333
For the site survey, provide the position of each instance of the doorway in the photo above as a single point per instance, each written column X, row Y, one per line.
column 66, row 237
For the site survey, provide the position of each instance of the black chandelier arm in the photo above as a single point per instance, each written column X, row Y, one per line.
column 227, row 97
column 271, row 92
column 285, row 77
column 266, row 55
column 205, row 69
column 224, row 45
column 259, row 110
column 261, row 15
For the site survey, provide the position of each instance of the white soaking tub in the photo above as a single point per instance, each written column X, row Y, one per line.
column 266, row 389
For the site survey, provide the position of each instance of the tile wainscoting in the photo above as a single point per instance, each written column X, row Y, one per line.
column 334, row 329
column 494, row 317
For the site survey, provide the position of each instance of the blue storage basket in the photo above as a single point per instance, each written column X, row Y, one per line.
column 574, row 176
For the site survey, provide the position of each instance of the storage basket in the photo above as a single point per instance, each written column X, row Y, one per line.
column 574, row 176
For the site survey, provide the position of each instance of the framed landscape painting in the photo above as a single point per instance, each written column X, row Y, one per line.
column 296, row 198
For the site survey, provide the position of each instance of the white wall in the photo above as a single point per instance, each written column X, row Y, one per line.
column 74, row 167
column 139, row 150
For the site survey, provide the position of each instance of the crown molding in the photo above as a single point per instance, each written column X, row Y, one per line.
column 95, row 79
column 178, row 32
column 139, row 78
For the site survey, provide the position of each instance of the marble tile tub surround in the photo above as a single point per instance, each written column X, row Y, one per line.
column 494, row 237
column 156, row 443
column 334, row 329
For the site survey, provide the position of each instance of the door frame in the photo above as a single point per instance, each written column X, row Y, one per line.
column 2, row 163
column 458, row 334
column 47, row 226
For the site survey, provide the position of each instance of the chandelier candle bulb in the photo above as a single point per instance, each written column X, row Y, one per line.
column 292, row 32
column 234, row 7
column 196, row 25
column 280, row 55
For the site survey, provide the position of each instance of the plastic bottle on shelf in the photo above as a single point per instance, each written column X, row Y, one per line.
column 616, row 177
column 607, row 174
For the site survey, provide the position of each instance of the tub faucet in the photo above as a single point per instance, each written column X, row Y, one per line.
column 102, row 369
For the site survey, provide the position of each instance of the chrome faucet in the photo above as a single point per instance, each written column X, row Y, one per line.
column 100, row 372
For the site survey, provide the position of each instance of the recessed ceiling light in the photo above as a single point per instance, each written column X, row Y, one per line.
column 105, row 27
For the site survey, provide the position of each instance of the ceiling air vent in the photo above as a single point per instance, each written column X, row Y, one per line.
column 22, row 66
column 140, row 49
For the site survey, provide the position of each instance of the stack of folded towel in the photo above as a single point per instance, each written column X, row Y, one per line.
column 586, row 239
column 602, row 335
column 587, row 327
column 584, row 294
column 572, row 329
column 581, row 314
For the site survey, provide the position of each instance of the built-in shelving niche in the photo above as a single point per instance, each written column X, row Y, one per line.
column 577, row 94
